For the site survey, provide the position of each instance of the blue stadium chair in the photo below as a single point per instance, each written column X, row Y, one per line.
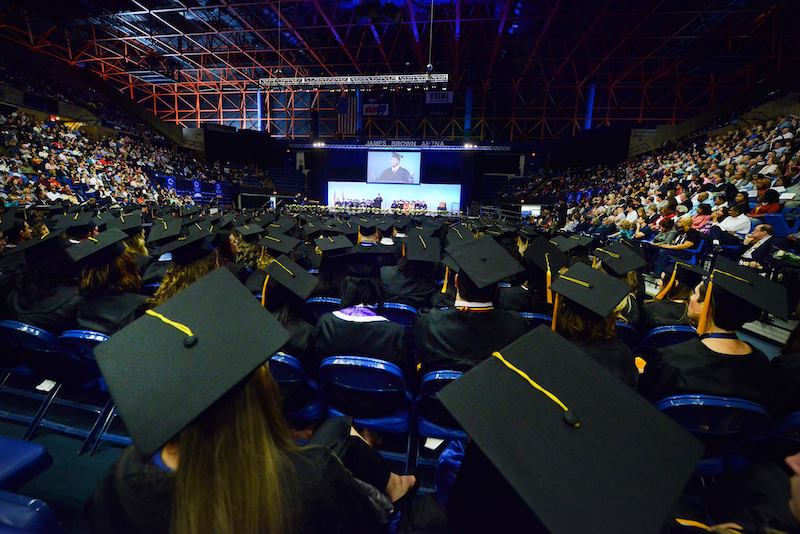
column 25, row 515
column 627, row 334
column 695, row 253
column 399, row 313
column 302, row 405
column 316, row 307
column 779, row 225
column 371, row 391
column 150, row 289
column 664, row 336
column 21, row 461
column 788, row 429
column 537, row 319
column 433, row 421
column 725, row 425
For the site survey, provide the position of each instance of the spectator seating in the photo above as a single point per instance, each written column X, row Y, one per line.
column 25, row 515
column 20, row 461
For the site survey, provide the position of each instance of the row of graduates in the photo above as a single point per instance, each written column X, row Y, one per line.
column 222, row 454
column 465, row 317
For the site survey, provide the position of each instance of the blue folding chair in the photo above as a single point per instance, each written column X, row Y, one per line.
column 788, row 429
column 21, row 461
column 301, row 401
column 316, row 307
column 537, row 319
column 627, row 334
column 26, row 515
column 399, row 313
column 371, row 391
column 724, row 424
column 664, row 336
column 433, row 421
column 780, row 227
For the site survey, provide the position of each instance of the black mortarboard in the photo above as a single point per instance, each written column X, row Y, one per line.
column 619, row 259
column 748, row 286
column 293, row 277
column 458, row 233
column 687, row 274
column 422, row 248
column 164, row 229
column 9, row 221
column 225, row 222
column 190, row 247
column 333, row 243
column 130, row 224
column 545, row 255
column 528, row 232
column 595, row 290
column 76, row 223
column 107, row 244
column 158, row 395
column 250, row 232
column 637, row 459
column 566, row 244
column 39, row 249
column 282, row 244
column 484, row 261
column 281, row 226
column 366, row 226
column 385, row 225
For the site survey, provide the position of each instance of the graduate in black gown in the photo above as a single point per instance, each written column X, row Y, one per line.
column 193, row 256
column 466, row 334
column 543, row 261
column 411, row 281
column 46, row 290
column 717, row 362
column 110, row 282
column 263, row 481
column 161, row 232
column 543, row 419
column 622, row 262
column 669, row 307
column 584, row 313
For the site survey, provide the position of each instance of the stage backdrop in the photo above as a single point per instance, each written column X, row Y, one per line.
column 433, row 195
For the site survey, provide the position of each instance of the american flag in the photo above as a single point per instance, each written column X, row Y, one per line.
column 346, row 113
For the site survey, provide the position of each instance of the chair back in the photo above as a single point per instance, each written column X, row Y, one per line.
column 433, row 418
column 780, row 227
column 537, row 319
column 627, row 334
column 80, row 343
column 664, row 336
column 316, row 307
column 788, row 429
column 713, row 418
column 22, row 336
column 364, row 387
column 26, row 515
column 399, row 313
column 301, row 402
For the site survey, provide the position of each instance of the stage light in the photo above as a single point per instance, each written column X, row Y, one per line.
column 310, row 83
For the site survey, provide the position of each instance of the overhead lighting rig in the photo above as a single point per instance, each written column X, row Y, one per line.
column 311, row 83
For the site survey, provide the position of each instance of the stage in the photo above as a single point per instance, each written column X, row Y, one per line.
column 433, row 197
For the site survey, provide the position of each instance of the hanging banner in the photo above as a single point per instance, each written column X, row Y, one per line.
column 439, row 97
column 376, row 110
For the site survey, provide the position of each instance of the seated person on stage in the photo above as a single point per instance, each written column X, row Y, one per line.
column 732, row 228
column 110, row 282
column 757, row 247
column 622, row 262
column 411, row 281
column 466, row 334
column 46, row 289
column 686, row 238
column 717, row 362
column 231, row 430
column 356, row 329
column 524, row 436
column 584, row 313
column 669, row 307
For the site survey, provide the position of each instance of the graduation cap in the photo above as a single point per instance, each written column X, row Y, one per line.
column 250, row 232
column 366, row 227
column 484, row 261
column 548, row 258
column 131, row 224
column 333, row 243
column 164, row 229
column 424, row 249
column 568, row 244
column 619, row 259
column 106, row 245
column 685, row 273
column 743, row 287
column 8, row 221
column 194, row 245
column 157, row 396
column 283, row 244
column 38, row 249
column 458, row 233
column 281, row 226
column 553, row 454
column 528, row 232
column 290, row 275
column 225, row 222
column 385, row 225
column 594, row 290
column 76, row 224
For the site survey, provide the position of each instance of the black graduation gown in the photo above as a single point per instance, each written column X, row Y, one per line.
column 454, row 339
column 663, row 313
column 443, row 300
column 254, row 281
column 691, row 367
column 55, row 313
column 377, row 339
column 404, row 289
column 154, row 273
column 109, row 313
column 136, row 497
column 786, row 376
column 301, row 342
column 516, row 298
column 615, row 356
column 630, row 313
column 143, row 262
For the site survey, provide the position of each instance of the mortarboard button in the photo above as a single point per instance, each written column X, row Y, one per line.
column 189, row 341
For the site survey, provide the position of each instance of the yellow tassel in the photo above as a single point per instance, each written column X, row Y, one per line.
column 403, row 249
column 555, row 313
column 264, row 291
column 548, row 278
column 446, row 277
column 668, row 286
column 702, row 324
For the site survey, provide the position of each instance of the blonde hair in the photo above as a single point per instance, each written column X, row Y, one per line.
column 120, row 275
column 246, row 253
column 137, row 244
column 179, row 277
column 577, row 323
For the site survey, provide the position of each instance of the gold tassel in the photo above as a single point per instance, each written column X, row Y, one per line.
column 548, row 278
column 668, row 286
column 555, row 313
column 702, row 324
column 446, row 277
column 264, row 291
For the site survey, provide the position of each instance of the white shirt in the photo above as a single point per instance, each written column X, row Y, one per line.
column 748, row 254
column 739, row 225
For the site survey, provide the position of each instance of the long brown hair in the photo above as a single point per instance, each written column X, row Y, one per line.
column 579, row 324
column 234, row 471
column 179, row 277
column 137, row 244
column 120, row 275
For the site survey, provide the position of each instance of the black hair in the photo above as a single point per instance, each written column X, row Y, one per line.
column 771, row 196
column 41, row 279
column 282, row 303
column 729, row 312
column 361, row 290
column 704, row 209
column 469, row 291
